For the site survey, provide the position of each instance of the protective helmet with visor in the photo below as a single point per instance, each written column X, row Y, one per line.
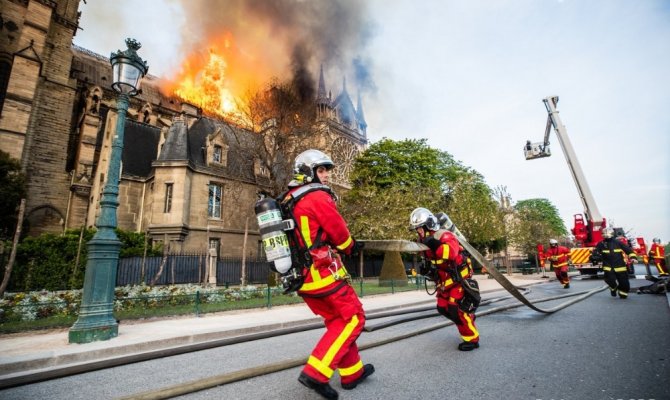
column 422, row 217
column 306, row 164
column 608, row 232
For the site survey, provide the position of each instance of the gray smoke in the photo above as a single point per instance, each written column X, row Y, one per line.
column 290, row 37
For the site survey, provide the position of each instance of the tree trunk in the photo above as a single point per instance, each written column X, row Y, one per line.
column 15, row 244
column 166, row 250
column 76, row 260
column 243, row 278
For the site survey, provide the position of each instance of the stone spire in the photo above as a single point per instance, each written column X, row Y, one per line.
column 321, row 97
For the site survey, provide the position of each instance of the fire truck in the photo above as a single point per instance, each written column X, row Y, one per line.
column 586, row 227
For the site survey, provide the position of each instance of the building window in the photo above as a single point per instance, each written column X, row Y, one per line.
column 168, row 197
column 214, row 203
column 5, row 70
column 216, row 155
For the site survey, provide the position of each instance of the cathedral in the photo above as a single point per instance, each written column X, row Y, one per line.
column 188, row 179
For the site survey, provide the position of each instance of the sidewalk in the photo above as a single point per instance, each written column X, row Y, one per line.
column 40, row 350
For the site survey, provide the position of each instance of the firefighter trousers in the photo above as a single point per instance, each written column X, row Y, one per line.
column 617, row 279
column 660, row 266
column 344, row 318
column 562, row 274
column 447, row 305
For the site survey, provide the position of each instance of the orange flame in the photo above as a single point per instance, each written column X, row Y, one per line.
column 213, row 81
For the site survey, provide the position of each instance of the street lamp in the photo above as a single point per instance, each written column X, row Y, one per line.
column 96, row 320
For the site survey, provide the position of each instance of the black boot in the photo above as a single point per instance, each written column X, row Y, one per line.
column 324, row 389
column 467, row 346
column 368, row 369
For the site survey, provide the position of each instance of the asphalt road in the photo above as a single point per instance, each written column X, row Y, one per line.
column 599, row 348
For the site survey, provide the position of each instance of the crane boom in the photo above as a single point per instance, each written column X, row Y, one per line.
column 587, row 233
column 590, row 208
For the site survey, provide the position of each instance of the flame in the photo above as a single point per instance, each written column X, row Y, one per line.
column 214, row 80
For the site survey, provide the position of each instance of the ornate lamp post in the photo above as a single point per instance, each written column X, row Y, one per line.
column 96, row 320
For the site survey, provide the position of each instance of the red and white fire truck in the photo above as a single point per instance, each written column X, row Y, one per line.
column 587, row 227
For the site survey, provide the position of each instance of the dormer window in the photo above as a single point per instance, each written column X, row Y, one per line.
column 216, row 154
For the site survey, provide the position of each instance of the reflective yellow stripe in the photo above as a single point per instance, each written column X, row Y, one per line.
column 351, row 370
column 345, row 244
column 319, row 282
column 445, row 251
column 620, row 269
column 475, row 334
column 344, row 335
column 437, row 262
column 304, row 231
column 320, row 366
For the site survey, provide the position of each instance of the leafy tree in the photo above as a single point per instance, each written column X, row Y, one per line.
column 535, row 221
column 12, row 190
column 283, row 115
column 391, row 178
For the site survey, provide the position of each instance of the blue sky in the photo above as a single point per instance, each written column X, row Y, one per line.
column 470, row 77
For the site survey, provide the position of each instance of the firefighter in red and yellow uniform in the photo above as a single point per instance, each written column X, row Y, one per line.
column 326, row 290
column 445, row 263
column 613, row 253
column 558, row 256
column 657, row 256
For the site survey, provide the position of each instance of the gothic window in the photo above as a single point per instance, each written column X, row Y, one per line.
column 168, row 197
column 5, row 69
column 214, row 202
column 216, row 154
column 144, row 115
column 344, row 153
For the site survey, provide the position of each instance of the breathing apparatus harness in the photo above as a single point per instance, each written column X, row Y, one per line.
column 472, row 297
column 301, row 258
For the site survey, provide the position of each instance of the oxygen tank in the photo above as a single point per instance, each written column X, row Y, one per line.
column 275, row 241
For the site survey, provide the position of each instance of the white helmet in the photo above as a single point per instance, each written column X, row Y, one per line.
column 657, row 240
column 305, row 165
column 422, row 217
column 553, row 242
column 608, row 232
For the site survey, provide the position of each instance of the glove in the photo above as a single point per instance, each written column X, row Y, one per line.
column 356, row 248
column 432, row 243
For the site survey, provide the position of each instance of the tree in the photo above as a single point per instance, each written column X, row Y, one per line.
column 391, row 178
column 12, row 190
column 283, row 115
column 535, row 221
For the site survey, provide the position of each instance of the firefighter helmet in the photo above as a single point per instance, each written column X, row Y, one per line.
column 608, row 232
column 305, row 165
column 422, row 217
column 657, row 240
column 553, row 242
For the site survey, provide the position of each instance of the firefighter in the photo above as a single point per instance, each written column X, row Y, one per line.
column 657, row 255
column 558, row 257
column 326, row 289
column 613, row 254
column 447, row 268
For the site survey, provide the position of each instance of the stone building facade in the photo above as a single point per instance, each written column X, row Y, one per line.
column 187, row 180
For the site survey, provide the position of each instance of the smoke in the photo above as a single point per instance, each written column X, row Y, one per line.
column 287, row 39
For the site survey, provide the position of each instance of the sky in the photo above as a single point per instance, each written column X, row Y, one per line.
column 468, row 76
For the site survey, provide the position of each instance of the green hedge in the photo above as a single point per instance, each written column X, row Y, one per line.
column 47, row 262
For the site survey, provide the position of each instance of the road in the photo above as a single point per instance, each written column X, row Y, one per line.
column 599, row 348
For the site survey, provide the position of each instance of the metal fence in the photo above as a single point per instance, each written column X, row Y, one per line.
column 192, row 268
column 188, row 268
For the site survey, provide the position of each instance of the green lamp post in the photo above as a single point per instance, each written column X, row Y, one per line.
column 96, row 320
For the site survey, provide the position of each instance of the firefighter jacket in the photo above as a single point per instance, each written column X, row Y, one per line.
column 657, row 252
column 613, row 254
column 322, row 230
column 558, row 256
column 444, row 255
